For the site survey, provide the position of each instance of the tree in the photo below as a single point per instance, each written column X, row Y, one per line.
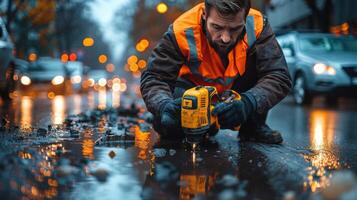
column 323, row 16
column 52, row 27
column 142, row 21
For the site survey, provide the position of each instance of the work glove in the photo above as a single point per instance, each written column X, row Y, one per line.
column 234, row 113
column 170, row 113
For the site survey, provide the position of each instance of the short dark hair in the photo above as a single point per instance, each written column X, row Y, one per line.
column 228, row 7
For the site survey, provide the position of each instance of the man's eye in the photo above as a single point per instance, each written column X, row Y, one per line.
column 216, row 27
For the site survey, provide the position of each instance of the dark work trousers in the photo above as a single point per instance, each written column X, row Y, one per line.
column 254, row 121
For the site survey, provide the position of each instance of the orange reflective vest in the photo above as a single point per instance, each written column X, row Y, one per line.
column 203, row 65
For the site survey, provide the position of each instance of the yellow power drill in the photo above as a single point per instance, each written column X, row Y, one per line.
column 197, row 106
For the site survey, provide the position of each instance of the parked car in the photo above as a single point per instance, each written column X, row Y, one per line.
column 49, row 73
column 320, row 64
column 6, row 69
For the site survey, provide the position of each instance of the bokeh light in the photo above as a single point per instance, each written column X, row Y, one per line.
column 102, row 58
column 110, row 67
column 88, row 42
column 161, row 8
column 142, row 64
column 32, row 57
column 64, row 57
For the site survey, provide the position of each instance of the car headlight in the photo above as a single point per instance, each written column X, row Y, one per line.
column 321, row 68
column 102, row 82
column 57, row 80
column 25, row 80
column 76, row 79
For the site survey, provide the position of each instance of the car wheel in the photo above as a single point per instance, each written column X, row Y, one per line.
column 301, row 94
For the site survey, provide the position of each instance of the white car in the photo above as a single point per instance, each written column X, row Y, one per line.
column 321, row 63
column 47, row 73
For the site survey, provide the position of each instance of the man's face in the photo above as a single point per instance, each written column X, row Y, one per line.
column 223, row 31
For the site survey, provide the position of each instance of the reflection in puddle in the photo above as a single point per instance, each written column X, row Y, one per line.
column 88, row 144
column 194, row 184
column 142, row 142
column 42, row 182
column 58, row 109
column 102, row 98
column 26, row 112
column 91, row 100
column 322, row 132
column 115, row 99
column 77, row 104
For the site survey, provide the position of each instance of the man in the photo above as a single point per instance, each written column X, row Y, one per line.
column 226, row 44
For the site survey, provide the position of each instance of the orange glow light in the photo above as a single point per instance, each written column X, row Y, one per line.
column 142, row 64
column 132, row 60
column 88, row 42
column 134, row 68
column 142, row 45
column 64, row 57
column 102, row 59
column 32, row 57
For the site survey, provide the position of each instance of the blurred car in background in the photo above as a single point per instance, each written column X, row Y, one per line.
column 47, row 74
column 320, row 64
column 6, row 67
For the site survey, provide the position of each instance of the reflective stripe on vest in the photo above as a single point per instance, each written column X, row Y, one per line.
column 202, row 63
column 194, row 62
column 250, row 30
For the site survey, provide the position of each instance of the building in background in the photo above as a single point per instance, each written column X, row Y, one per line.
column 336, row 16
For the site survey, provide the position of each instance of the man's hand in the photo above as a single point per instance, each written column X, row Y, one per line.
column 234, row 113
column 170, row 113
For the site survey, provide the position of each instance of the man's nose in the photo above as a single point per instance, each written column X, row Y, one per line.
column 225, row 37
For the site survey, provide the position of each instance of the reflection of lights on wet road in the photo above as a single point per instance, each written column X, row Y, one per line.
column 115, row 98
column 102, row 98
column 26, row 112
column 91, row 100
column 77, row 100
column 142, row 141
column 58, row 109
column 324, row 158
column 43, row 185
column 88, row 144
column 195, row 184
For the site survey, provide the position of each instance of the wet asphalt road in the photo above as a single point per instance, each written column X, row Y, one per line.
column 317, row 141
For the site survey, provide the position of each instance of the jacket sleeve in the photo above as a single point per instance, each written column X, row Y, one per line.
column 158, row 80
column 274, row 81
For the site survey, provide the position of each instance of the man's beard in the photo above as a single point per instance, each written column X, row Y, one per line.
column 221, row 49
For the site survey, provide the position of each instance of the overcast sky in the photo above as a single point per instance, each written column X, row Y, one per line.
column 103, row 12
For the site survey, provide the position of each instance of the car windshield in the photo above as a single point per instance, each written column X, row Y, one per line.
column 47, row 66
column 328, row 43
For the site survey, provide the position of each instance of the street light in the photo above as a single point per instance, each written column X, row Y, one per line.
column 142, row 64
column 142, row 45
column 32, row 57
column 132, row 60
column 102, row 59
column 64, row 57
column 88, row 42
column 161, row 8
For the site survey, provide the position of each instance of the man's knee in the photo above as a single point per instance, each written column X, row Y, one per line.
column 255, row 119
